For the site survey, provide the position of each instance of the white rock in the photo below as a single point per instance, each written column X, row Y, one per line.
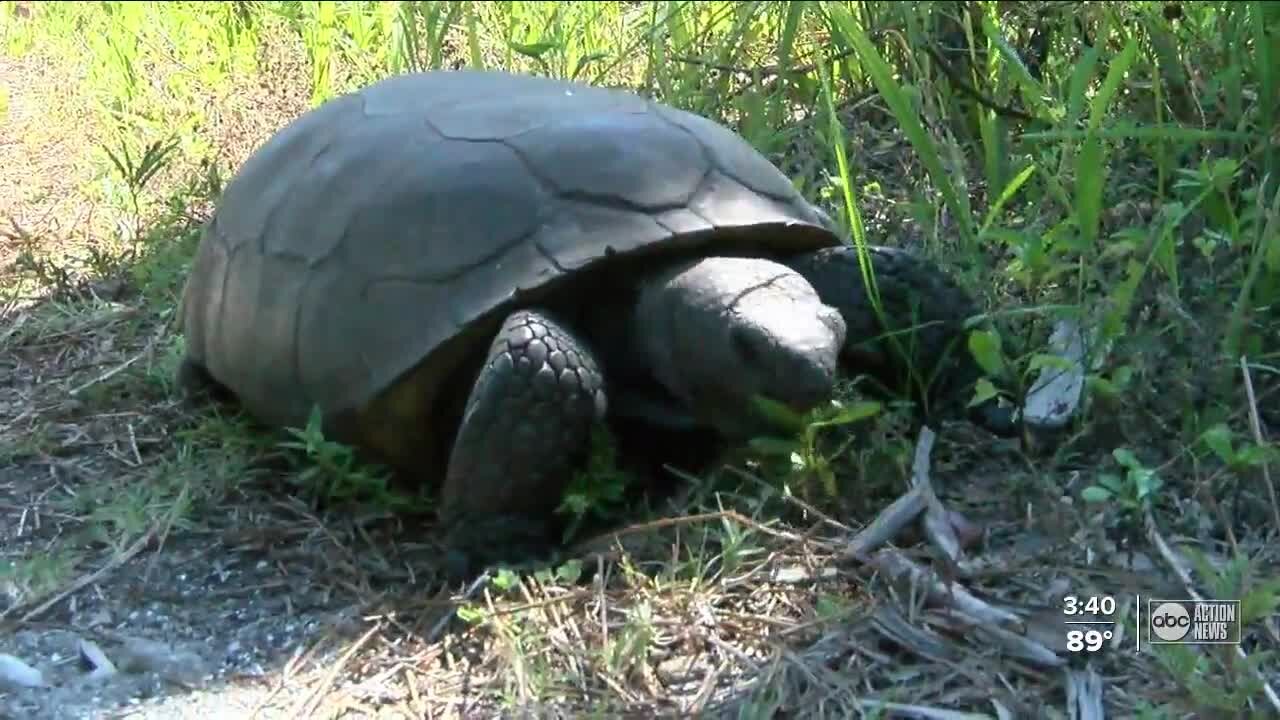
column 1054, row 398
column 16, row 674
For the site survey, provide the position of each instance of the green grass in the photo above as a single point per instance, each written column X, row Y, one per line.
column 1113, row 163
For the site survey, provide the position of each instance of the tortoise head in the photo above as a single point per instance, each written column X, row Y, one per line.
column 720, row 331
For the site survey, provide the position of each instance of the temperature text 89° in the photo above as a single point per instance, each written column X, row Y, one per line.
column 1087, row 640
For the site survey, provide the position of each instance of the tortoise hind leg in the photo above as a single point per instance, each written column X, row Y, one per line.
column 925, row 310
column 196, row 384
column 525, row 430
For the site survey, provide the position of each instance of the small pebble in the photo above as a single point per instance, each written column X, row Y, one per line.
column 138, row 655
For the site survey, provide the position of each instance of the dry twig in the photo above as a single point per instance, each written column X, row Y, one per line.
column 900, row 568
column 307, row 705
column 887, row 525
column 937, row 526
column 1255, row 425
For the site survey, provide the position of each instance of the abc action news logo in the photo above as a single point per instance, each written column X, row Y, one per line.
column 1193, row 622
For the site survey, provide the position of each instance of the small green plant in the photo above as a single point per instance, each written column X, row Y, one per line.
column 332, row 472
column 1133, row 489
column 1235, row 455
column 137, row 173
column 596, row 492
column 630, row 648
column 805, row 458
column 29, row 578
column 987, row 350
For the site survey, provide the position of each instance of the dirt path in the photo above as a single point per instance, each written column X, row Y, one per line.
column 198, row 619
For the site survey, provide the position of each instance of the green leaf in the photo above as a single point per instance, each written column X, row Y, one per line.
column 1099, row 385
column 1007, row 194
column 985, row 345
column 1115, row 75
column 1255, row 455
column 1126, row 458
column 1111, row 482
column 778, row 414
column 848, row 414
column 505, row 579
column 471, row 614
column 1091, row 165
column 1031, row 88
column 1080, row 78
column 983, row 391
column 1146, row 481
column 1048, row 360
column 586, row 60
column 533, row 50
column 1095, row 494
column 570, row 572
column 575, row 503
column 798, row 462
column 1091, row 175
column 1218, row 438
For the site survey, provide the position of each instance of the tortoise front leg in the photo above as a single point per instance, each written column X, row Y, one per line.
column 526, row 429
column 923, row 308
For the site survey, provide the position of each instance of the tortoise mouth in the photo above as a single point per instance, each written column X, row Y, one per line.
column 740, row 417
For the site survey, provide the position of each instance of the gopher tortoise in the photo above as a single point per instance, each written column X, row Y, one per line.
column 459, row 268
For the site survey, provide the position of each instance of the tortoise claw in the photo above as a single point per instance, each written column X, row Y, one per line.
column 476, row 544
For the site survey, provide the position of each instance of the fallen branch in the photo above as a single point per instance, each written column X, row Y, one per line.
column 937, row 523
column 1084, row 695
column 1020, row 646
column 920, row 711
column 887, row 525
column 890, row 623
column 901, row 569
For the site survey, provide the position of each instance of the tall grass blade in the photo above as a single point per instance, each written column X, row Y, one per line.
column 1006, row 195
column 1091, row 165
column 1033, row 93
column 473, row 35
column 1266, row 48
column 844, row 24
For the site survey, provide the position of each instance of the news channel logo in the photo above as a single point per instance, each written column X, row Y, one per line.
column 1193, row 622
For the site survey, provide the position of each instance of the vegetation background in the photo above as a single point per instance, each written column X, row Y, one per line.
column 1112, row 164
